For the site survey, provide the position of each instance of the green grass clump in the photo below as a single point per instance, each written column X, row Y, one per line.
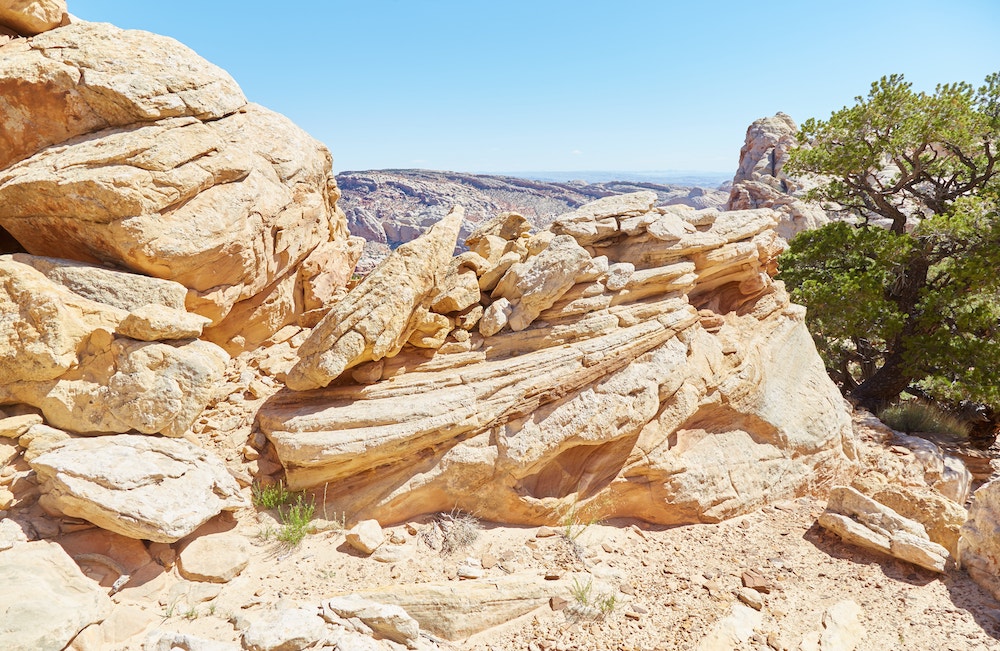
column 296, row 521
column 270, row 496
column 915, row 416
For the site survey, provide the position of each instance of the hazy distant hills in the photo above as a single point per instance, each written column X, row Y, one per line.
column 395, row 206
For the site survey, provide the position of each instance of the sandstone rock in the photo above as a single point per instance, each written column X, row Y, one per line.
column 172, row 641
column 374, row 320
column 455, row 610
column 387, row 622
column 149, row 488
column 842, row 628
column 154, row 322
column 732, row 630
column 760, row 181
column 978, row 551
column 124, row 622
column 30, row 17
column 538, row 283
column 366, row 536
column 862, row 521
column 12, row 533
column 58, row 353
column 216, row 558
column 495, row 317
column 39, row 439
column 290, row 629
column 599, row 219
column 53, row 600
column 224, row 197
column 13, row 427
column 89, row 76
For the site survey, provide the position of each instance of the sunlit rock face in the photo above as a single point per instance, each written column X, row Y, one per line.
column 629, row 361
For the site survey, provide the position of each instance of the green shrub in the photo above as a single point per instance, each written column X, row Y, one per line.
column 915, row 416
column 270, row 496
column 295, row 521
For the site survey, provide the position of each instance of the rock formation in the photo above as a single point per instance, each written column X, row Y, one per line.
column 760, row 181
column 125, row 148
column 631, row 361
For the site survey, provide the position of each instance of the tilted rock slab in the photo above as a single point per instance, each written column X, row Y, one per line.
column 862, row 521
column 667, row 379
column 157, row 164
column 379, row 316
column 138, row 486
column 46, row 598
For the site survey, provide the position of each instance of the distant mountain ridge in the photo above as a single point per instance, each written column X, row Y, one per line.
column 394, row 206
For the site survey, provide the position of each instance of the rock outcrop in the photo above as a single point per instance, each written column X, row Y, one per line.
column 632, row 361
column 760, row 181
column 141, row 487
column 126, row 148
column 30, row 17
column 47, row 599
column 978, row 546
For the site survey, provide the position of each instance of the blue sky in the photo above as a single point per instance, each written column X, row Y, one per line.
column 477, row 86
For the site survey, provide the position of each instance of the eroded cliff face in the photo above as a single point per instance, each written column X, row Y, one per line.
column 631, row 361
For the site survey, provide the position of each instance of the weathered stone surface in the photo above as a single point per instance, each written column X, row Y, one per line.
column 53, row 600
column 732, row 630
column 290, row 629
column 376, row 319
column 760, row 181
column 387, row 621
column 457, row 609
column 216, row 558
column 159, row 640
column 30, row 17
column 979, row 546
column 617, row 401
column 224, row 197
column 366, row 536
column 154, row 322
column 862, row 521
column 141, row 487
column 90, row 76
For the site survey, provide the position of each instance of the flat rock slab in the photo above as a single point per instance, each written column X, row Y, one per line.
column 216, row 558
column 53, row 600
column 141, row 487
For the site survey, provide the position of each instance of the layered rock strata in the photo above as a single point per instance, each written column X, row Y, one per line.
column 630, row 361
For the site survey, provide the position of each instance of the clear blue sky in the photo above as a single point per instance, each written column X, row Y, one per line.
column 495, row 86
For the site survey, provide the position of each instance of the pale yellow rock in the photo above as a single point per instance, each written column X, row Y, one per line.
column 140, row 487
column 599, row 219
column 13, row 427
column 30, row 17
column 732, row 630
column 375, row 319
column 154, row 322
column 53, row 600
column 124, row 385
column 39, row 439
column 215, row 558
column 457, row 609
column 89, row 76
column 537, row 283
column 979, row 546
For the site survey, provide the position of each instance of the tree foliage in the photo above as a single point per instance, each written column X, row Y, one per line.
column 903, row 307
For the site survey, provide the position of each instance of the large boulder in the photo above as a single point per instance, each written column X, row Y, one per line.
column 126, row 148
column 978, row 544
column 47, row 599
column 140, row 487
column 83, row 344
column 29, row 17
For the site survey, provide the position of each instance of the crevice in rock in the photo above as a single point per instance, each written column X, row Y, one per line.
column 9, row 244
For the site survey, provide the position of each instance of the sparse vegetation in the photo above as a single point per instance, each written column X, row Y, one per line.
column 270, row 496
column 916, row 416
column 458, row 530
column 574, row 524
column 603, row 603
column 296, row 521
